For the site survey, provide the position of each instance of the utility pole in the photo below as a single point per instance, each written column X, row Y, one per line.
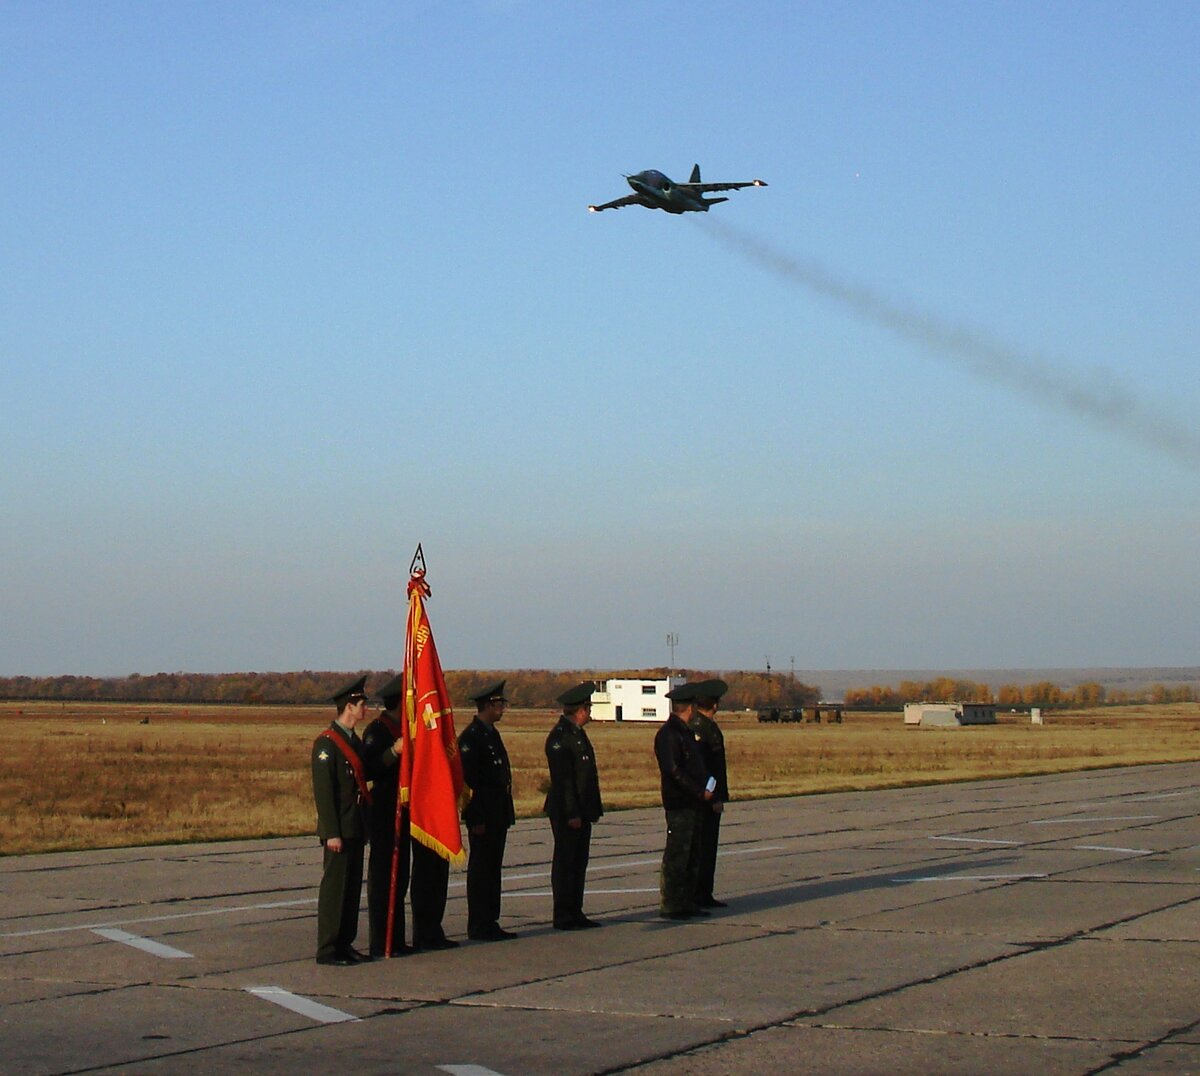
column 672, row 642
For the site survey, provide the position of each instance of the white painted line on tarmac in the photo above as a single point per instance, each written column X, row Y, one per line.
column 595, row 868
column 1095, row 818
column 1106, row 848
column 590, row 892
column 592, row 869
column 145, row 944
column 975, row 840
column 273, row 905
column 1161, row 796
column 468, row 1070
column 268, row 906
column 314, row 1010
column 969, row 878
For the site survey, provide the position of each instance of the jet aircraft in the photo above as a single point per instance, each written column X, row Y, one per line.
column 657, row 191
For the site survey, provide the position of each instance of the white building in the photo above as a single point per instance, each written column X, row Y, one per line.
column 949, row 713
column 621, row 699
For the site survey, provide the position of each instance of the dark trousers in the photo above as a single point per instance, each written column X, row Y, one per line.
column 681, row 861
column 568, row 871
column 338, row 898
column 710, row 833
column 430, row 877
column 379, row 885
column 483, row 877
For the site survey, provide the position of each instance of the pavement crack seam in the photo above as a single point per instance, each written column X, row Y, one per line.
column 86, row 990
column 951, row 1034
column 131, row 1064
column 1127, row 1055
column 631, row 962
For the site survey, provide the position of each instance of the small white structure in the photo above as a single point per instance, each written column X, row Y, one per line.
column 622, row 699
column 951, row 714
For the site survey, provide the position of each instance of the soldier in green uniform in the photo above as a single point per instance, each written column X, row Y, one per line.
column 342, row 797
column 573, row 804
column 488, row 814
column 712, row 749
column 382, row 744
column 686, row 790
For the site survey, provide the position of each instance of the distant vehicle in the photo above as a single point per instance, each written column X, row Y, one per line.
column 654, row 190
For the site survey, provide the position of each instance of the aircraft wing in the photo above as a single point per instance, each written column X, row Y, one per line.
column 705, row 188
column 616, row 203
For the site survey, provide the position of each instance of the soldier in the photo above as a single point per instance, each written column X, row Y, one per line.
column 488, row 814
column 712, row 750
column 382, row 744
column 430, row 881
column 342, row 797
column 686, row 789
column 573, row 804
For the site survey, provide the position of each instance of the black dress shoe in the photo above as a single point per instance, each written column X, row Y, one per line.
column 337, row 960
column 674, row 915
column 495, row 932
column 353, row 956
column 571, row 924
column 701, row 913
column 439, row 943
column 397, row 950
column 587, row 924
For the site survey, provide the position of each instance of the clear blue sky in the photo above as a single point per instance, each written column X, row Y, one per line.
column 290, row 287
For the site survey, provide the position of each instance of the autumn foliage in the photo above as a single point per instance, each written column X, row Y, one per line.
column 527, row 688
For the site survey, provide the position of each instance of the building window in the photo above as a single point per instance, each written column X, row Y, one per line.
column 649, row 689
column 649, row 711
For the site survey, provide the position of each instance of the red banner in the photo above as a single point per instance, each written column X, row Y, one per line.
column 431, row 778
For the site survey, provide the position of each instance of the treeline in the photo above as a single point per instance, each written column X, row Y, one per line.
column 1043, row 693
column 530, row 688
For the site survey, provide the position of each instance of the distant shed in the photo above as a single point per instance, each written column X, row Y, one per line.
column 634, row 699
column 949, row 714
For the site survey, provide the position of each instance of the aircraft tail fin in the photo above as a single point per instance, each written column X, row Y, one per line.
column 695, row 174
column 714, row 201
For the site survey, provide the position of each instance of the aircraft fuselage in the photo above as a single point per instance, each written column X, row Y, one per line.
column 657, row 191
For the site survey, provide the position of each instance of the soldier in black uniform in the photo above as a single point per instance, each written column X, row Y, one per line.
column 573, row 804
column 488, row 814
column 685, row 793
column 712, row 749
column 430, row 882
column 340, row 791
column 382, row 744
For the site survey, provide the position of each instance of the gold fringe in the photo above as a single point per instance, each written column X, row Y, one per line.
column 434, row 845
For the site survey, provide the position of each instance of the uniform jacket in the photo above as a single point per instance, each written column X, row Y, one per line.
column 488, row 774
column 340, row 810
column 712, row 750
column 680, row 765
column 383, row 769
column 574, row 782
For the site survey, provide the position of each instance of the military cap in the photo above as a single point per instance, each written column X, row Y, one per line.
column 358, row 687
column 682, row 693
column 392, row 692
column 496, row 691
column 710, row 689
column 578, row 695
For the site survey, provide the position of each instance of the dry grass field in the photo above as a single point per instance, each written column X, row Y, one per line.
column 101, row 775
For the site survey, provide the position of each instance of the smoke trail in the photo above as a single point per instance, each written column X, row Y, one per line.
column 1111, row 406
